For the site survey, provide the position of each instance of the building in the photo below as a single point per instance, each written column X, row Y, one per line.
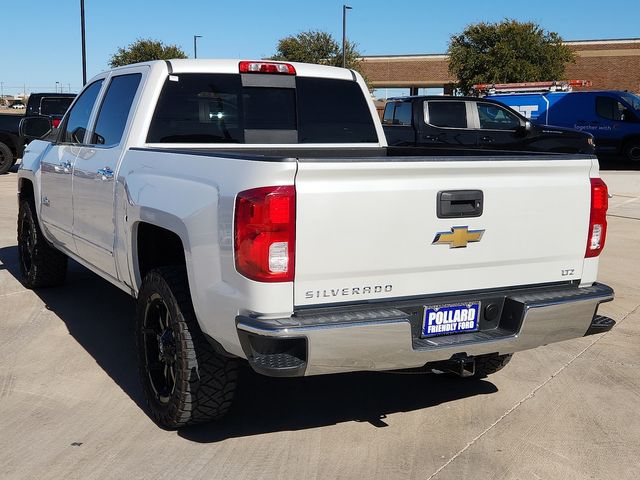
column 609, row 64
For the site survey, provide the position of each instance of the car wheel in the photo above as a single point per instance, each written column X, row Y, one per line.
column 41, row 265
column 184, row 380
column 7, row 159
column 632, row 151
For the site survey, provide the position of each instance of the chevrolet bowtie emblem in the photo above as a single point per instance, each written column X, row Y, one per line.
column 458, row 237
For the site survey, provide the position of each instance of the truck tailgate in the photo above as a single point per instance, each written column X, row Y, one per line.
column 366, row 229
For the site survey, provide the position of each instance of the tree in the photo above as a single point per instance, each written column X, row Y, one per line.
column 317, row 47
column 144, row 50
column 507, row 51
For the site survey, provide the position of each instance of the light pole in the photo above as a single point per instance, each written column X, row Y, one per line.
column 344, row 34
column 195, row 45
column 84, row 48
column 57, row 83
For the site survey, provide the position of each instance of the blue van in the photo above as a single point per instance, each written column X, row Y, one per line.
column 611, row 116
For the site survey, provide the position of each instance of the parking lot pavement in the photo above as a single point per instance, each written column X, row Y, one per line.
column 70, row 404
column 625, row 191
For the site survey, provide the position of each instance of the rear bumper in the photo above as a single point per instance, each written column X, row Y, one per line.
column 387, row 337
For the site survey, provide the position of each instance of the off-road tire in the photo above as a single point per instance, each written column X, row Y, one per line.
column 7, row 158
column 489, row 364
column 631, row 151
column 204, row 381
column 41, row 264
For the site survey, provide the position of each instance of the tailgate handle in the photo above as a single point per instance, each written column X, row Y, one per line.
column 460, row 203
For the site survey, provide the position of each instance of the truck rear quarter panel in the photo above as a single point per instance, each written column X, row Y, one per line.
column 194, row 196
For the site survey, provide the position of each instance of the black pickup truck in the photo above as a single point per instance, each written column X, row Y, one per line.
column 52, row 105
column 469, row 125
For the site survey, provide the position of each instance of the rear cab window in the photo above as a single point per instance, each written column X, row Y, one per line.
column 398, row 113
column 220, row 108
column 446, row 114
column 387, row 117
column 54, row 105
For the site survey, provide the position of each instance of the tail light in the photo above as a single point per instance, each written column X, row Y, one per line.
column 597, row 218
column 267, row 67
column 55, row 122
column 264, row 240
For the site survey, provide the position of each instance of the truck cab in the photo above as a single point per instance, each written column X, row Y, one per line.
column 473, row 126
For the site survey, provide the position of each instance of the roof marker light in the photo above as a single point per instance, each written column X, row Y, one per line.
column 267, row 67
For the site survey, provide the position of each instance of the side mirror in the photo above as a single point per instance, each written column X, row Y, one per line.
column 34, row 128
column 78, row 135
column 97, row 139
column 523, row 130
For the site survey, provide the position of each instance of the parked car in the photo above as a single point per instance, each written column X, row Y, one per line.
column 257, row 219
column 611, row 116
column 52, row 105
column 17, row 106
column 49, row 105
column 473, row 126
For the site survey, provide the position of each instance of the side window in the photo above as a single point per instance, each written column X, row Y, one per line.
column 114, row 110
column 493, row 117
column 403, row 114
column 78, row 118
column 387, row 118
column 610, row 108
column 446, row 114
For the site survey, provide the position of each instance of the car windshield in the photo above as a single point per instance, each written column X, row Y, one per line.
column 632, row 100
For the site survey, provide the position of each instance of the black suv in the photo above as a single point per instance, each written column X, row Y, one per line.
column 472, row 126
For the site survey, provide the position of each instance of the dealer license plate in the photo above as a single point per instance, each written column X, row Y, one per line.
column 449, row 319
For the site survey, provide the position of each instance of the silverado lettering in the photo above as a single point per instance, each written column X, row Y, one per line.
column 343, row 292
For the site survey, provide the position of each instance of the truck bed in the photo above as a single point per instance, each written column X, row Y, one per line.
column 369, row 154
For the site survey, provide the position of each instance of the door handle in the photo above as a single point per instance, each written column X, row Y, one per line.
column 486, row 139
column 459, row 203
column 62, row 167
column 105, row 174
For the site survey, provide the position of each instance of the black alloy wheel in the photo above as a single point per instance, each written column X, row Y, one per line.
column 159, row 349
column 41, row 265
column 184, row 379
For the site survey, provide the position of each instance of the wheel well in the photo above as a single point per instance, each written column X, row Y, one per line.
column 627, row 140
column 25, row 187
column 157, row 247
column 9, row 141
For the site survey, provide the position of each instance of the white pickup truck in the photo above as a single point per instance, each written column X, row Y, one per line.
column 255, row 212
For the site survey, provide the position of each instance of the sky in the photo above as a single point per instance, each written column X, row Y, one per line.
column 41, row 45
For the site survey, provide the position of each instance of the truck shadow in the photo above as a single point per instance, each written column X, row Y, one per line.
column 99, row 316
